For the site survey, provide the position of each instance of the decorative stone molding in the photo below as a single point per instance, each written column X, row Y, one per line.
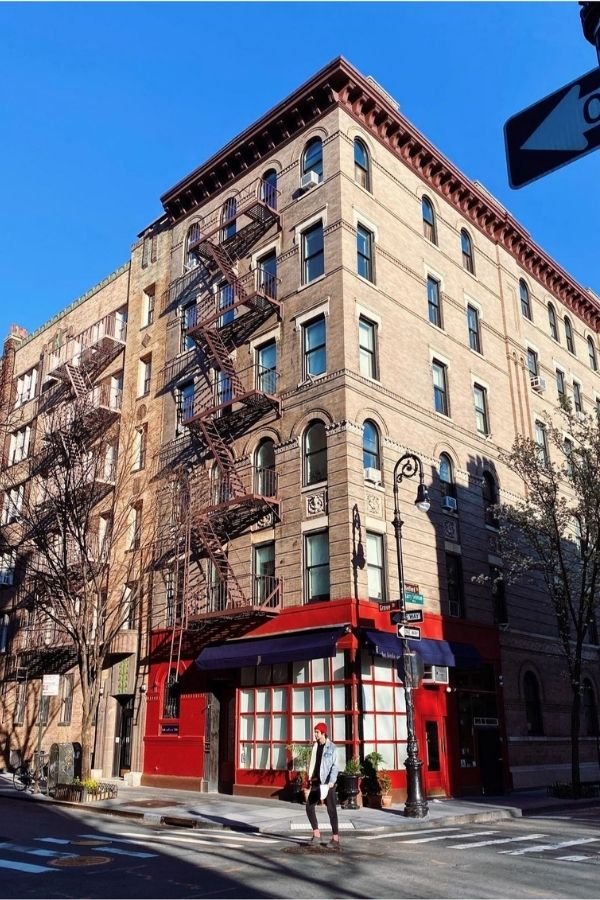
column 341, row 427
column 291, row 444
column 450, row 527
column 374, row 505
column 316, row 504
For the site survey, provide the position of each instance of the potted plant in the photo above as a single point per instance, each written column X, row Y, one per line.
column 377, row 782
column 385, row 788
column 301, row 754
column 349, row 784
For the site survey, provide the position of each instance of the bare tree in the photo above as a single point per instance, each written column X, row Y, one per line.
column 552, row 538
column 80, row 542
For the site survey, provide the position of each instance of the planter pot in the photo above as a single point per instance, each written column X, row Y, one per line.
column 349, row 788
column 77, row 793
column 374, row 801
column 386, row 801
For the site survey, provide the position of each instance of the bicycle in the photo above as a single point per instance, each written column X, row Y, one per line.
column 25, row 777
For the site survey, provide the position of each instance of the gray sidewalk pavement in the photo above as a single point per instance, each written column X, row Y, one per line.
column 269, row 816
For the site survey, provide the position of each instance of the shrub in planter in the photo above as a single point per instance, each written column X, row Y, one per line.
column 349, row 783
column 85, row 791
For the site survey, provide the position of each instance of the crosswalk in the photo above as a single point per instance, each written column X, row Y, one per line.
column 44, row 854
column 455, row 838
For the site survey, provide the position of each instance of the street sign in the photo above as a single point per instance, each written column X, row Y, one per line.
column 413, row 615
column 411, row 597
column 554, row 131
column 50, row 685
column 409, row 587
column 388, row 607
column 408, row 631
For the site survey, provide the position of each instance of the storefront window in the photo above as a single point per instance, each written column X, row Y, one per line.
column 476, row 703
column 384, row 710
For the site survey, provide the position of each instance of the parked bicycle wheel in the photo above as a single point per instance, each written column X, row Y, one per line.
column 22, row 778
column 43, row 780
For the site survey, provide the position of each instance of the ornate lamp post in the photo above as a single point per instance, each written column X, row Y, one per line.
column 416, row 806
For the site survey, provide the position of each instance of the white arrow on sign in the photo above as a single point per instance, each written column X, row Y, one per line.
column 565, row 127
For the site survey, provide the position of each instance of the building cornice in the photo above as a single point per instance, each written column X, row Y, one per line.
column 340, row 84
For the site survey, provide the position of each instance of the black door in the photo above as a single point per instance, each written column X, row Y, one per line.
column 489, row 752
column 123, row 728
column 226, row 740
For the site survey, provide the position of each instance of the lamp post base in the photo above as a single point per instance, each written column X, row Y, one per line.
column 416, row 806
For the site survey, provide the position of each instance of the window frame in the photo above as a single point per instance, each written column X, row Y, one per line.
column 468, row 255
column 482, row 414
column 569, row 338
column 533, row 364
column 309, row 352
column 490, row 497
column 66, row 699
column 428, row 219
column 561, row 386
column 543, row 449
column 317, row 166
column 309, row 536
column 362, row 168
column 378, row 566
column 534, row 718
column 308, row 259
column 371, row 457
column 314, row 457
column 266, row 376
column 474, row 328
column 455, row 585
column 368, row 354
column 577, row 397
column 440, row 391
column 365, row 255
column 592, row 355
column 525, row 299
column 434, row 302
column 447, row 485
column 553, row 323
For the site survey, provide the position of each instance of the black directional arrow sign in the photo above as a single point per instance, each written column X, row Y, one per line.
column 554, row 131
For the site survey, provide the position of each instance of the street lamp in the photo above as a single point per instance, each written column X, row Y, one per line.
column 415, row 807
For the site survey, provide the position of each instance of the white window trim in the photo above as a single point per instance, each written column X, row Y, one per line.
column 307, row 223
column 264, row 251
column 359, row 219
column 471, row 301
column 273, row 335
column 377, row 526
column 364, row 312
column 481, row 382
column 433, row 354
column 429, row 271
column 319, row 523
column 322, row 309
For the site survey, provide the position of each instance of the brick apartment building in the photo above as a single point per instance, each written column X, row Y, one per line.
column 324, row 294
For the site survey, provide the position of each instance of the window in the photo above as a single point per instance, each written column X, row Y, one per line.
column 19, row 445
column 313, row 253
column 13, row 503
column 489, row 493
column 266, row 368
column 192, row 238
column 364, row 252
column 375, row 566
column 498, row 595
column 174, row 604
column 541, row 439
column 440, row 387
column 371, row 448
column 552, row 322
column 481, row 409
column 362, row 173
column 466, row 246
column 4, row 632
column 185, row 404
column 265, row 468
column 561, row 387
column 315, row 453
column 140, row 447
column 144, row 375
column 66, row 700
column 129, row 605
column 268, row 190
column 264, row 572
column 43, row 710
column 446, row 476
column 533, row 707
column 592, row 629
column 188, row 320
column 592, row 355
column 577, row 397
column 455, row 585
column 149, row 249
column 316, row 555
column 228, row 214
column 474, row 328
column 532, row 363
column 135, row 527
column 590, row 710
column 315, row 356
column 569, row 335
column 8, row 561
column 312, row 158
column 26, row 385
column 267, row 274
column 568, row 452
column 367, row 348
column 171, row 696
column 429, row 226
column 148, row 301
column 525, row 299
column 434, row 302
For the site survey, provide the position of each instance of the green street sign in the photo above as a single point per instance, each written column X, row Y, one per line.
column 411, row 597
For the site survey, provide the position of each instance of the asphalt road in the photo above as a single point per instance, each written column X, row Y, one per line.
column 63, row 853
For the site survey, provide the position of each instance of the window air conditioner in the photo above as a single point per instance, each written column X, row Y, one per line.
column 310, row 179
column 436, row 674
column 449, row 504
column 580, row 415
column 538, row 383
column 373, row 475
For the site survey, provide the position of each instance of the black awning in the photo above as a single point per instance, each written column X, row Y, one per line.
column 271, row 650
column 433, row 653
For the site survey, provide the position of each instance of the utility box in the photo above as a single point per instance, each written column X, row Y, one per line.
column 65, row 764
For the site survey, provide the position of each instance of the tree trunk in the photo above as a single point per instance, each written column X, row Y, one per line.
column 86, row 749
column 575, row 724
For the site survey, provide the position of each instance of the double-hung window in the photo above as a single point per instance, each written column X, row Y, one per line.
column 313, row 253
column 592, row 355
column 569, row 335
column 13, row 503
column 19, row 445
column 481, row 409
column 434, row 304
column 266, row 364
column 188, row 320
column 367, row 346
column 466, row 246
column 375, row 566
column 264, row 572
column 532, row 363
column 26, row 385
column 454, row 577
column 440, row 387
column 316, row 566
column 66, row 699
column 185, row 404
column 474, row 328
column 148, row 303
column 364, row 252
column 577, row 397
column 552, row 322
column 315, row 348
column 561, row 387
column 140, row 447
column 525, row 300
column 144, row 375
column 541, row 439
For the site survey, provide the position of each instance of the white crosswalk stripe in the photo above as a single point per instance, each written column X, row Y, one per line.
column 196, row 835
column 471, row 844
column 444, row 837
column 538, row 848
column 403, row 834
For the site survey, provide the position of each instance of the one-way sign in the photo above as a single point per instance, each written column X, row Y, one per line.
column 409, row 631
column 554, row 131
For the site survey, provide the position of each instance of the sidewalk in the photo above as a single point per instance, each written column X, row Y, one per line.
column 194, row 810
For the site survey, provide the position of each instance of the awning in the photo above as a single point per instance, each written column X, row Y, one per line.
column 269, row 650
column 433, row 653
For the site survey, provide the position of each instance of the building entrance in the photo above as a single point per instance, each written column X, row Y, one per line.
column 123, row 729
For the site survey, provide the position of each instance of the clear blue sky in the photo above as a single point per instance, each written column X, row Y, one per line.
column 105, row 106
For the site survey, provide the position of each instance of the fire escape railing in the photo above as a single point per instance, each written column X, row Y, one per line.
column 90, row 349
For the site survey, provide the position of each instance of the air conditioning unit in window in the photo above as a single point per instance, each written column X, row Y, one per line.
column 309, row 180
column 436, row 674
column 538, row 383
column 373, row 475
column 580, row 415
column 449, row 504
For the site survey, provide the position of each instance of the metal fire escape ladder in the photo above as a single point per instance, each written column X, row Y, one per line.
column 80, row 381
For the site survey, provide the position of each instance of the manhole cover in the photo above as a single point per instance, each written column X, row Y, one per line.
column 72, row 862
column 93, row 843
column 150, row 804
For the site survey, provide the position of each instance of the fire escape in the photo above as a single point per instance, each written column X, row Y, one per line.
column 223, row 500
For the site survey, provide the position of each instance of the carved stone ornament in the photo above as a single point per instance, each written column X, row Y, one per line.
column 451, row 529
column 266, row 521
column 375, row 505
column 316, row 504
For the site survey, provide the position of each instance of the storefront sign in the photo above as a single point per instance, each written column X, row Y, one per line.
column 169, row 729
column 50, row 685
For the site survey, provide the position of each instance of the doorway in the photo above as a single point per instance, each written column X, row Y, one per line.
column 226, row 740
column 435, row 776
column 489, row 754
column 123, row 730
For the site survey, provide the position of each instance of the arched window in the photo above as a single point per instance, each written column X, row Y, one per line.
column 268, row 188
column 171, row 696
column 592, row 355
column 228, row 214
column 533, row 707
column 315, row 453
column 446, row 476
column 190, row 260
column 489, row 492
column 362, row 168
column 466, row 246
column 569, row 335
column 265, row 468
column 590, row 709
column 429, row 226
column 525, row 299
column 312, row 158
column 371, row 447
column 552, row 322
